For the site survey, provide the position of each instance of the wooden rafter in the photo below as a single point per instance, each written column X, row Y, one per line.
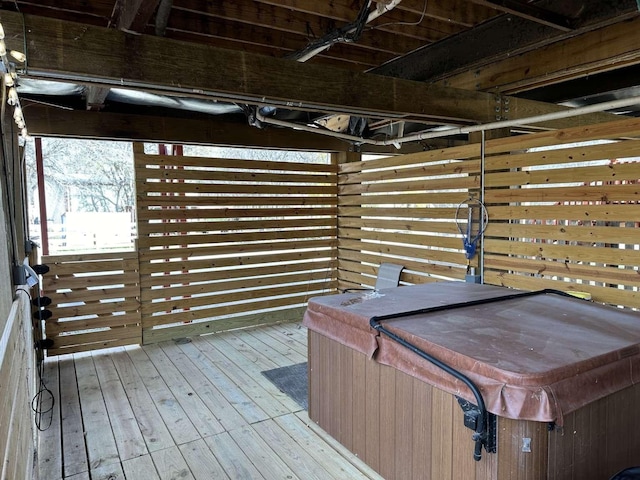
column 260, row 24
column 593, row 52
column 529, row 12
column 398, row 21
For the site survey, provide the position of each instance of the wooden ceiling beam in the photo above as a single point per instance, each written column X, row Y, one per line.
column 593, row 52
column 46, row 121
column 75, row 52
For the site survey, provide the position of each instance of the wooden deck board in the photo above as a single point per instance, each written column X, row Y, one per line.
column 50, row 466
column 200, row 410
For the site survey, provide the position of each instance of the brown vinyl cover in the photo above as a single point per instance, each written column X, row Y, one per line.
column 533, row 358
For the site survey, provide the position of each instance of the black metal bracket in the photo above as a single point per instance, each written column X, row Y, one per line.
column 472, row 416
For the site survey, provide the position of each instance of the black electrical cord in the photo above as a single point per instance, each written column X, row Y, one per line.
column 42, row 395
column 43, row 392
column 343, row 34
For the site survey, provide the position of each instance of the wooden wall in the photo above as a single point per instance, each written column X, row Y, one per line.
column 95, row 301
column 17, row 388
column 563, row 209
column 227, row 243
column 402, row 210
column 566, row 218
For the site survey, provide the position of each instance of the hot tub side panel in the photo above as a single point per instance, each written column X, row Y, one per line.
column 407, row 429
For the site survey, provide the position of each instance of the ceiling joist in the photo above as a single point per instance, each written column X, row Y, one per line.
column 530, row 12
column 73, row 52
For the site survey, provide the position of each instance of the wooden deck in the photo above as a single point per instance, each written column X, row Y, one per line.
column 197, row 410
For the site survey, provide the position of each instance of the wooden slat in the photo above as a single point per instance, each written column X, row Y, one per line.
column 407, row 169
column 603, row 131
column 423, row 240
column 399, row 211
column 177, row 174
column 564, row 270
column 234, row 213
column 226, row 237
column 614, row 234
column 599, row 193
column 564, row 155
column 146, row 230
column 400, row 225
column 465, row 181
column 405, row 199
column 599, row 174
column 462, row 152
column 572, row 212
column 149, row 201
column 232, row 163
column 145, row 187
column 573, row 253
column 321, row 256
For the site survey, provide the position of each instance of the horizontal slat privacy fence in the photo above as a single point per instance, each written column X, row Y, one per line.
column 227, row 243
column 95, row 301
column 563, row 206
column 565, row 212
column 402, row 210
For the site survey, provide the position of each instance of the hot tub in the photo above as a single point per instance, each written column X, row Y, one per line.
column 558, row 376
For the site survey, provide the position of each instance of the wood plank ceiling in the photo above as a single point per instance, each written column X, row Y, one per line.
column 529, row 49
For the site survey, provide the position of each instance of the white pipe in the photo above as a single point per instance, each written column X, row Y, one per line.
column 482, row 172
column 546, row 117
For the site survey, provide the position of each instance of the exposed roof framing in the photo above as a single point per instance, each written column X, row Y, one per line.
column 63, row 50
column 432, row 64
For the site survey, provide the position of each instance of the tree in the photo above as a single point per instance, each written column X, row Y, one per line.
column 85, row 175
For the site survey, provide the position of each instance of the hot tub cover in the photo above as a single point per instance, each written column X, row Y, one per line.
column 533, row 358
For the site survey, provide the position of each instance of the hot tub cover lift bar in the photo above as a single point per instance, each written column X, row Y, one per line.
column 476, row 417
